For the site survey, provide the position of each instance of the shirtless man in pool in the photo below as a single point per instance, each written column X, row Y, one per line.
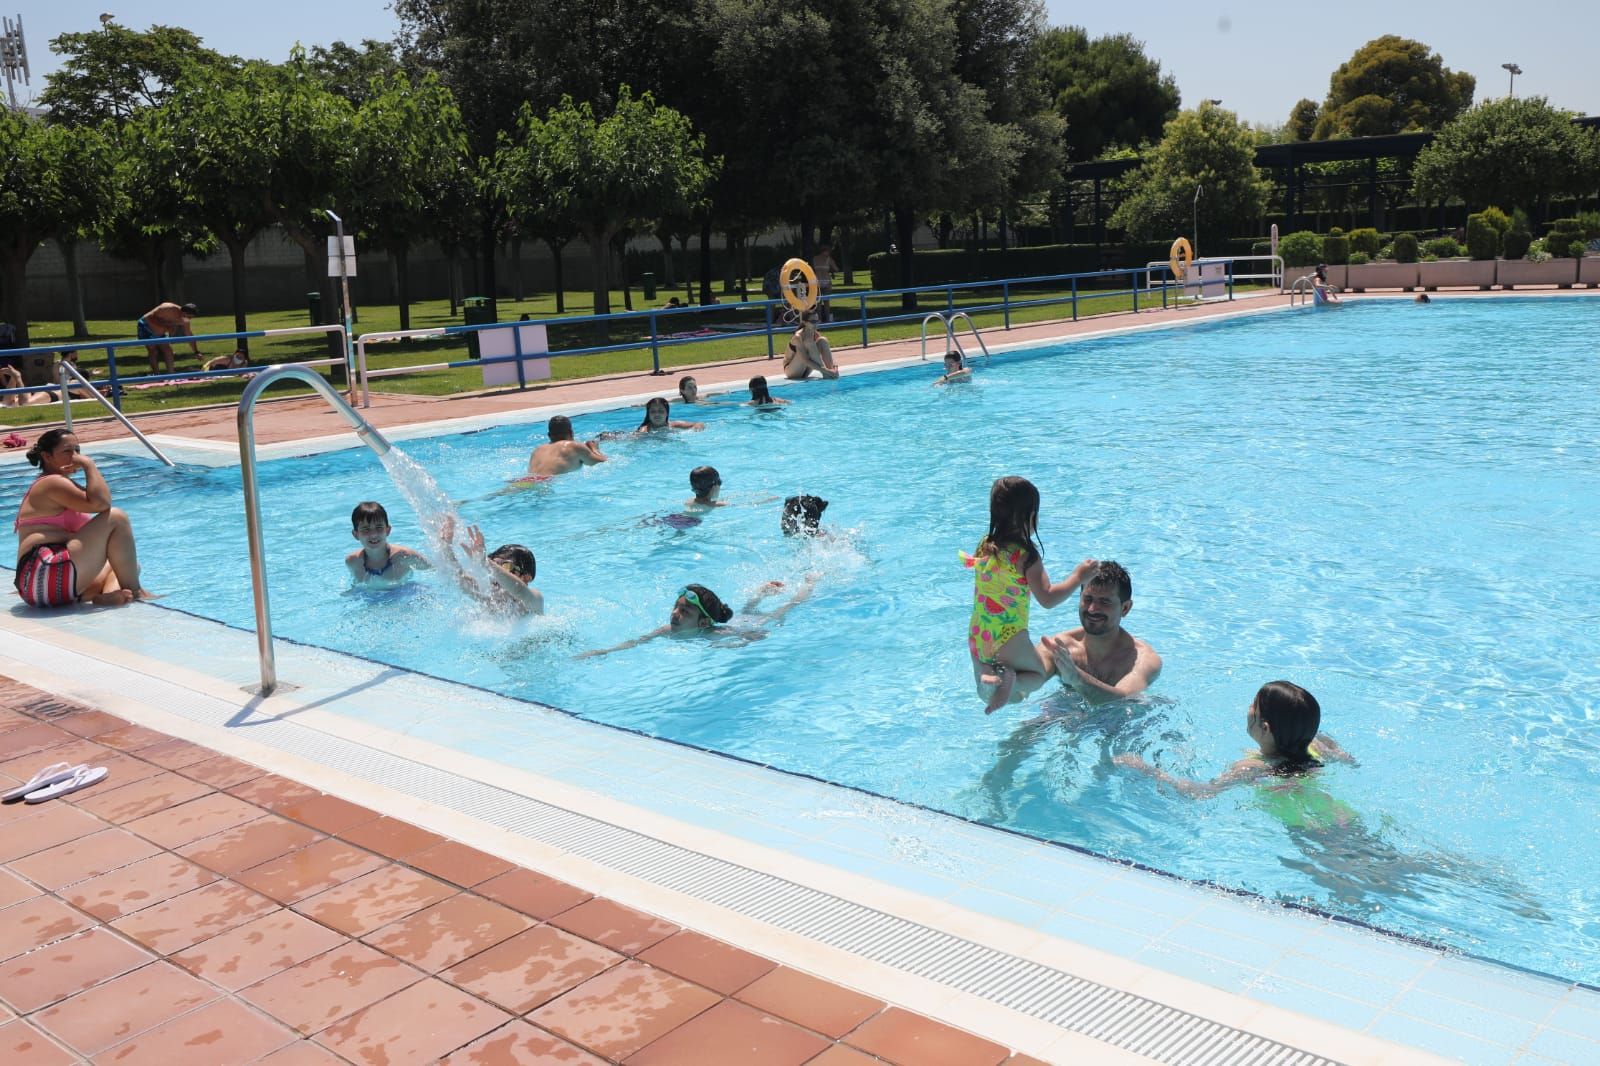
column 563, row 454
column 1100, row 660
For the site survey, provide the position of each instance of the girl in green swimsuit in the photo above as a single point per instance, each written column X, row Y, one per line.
column 1283, row 721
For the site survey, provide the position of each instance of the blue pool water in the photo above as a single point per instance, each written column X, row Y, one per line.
column 1390, row 505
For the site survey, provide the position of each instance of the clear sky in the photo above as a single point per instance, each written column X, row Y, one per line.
column 1257, row 58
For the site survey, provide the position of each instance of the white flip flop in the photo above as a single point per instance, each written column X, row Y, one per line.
column 48, row 776
column 82, row 777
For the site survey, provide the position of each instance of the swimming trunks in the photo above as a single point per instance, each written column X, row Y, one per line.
column 387, row 560
column 47, row 577
column 145, row 333
column 999, row 601
column 533, row 479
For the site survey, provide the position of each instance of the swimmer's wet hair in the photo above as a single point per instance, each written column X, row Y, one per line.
column 759, row 393
column 666, row 408
column 687, row 379
column 703, row 478
column 715, row 609
column 802, row 515
column 516, row 558
column 1294, row 716
column 368, row 512
column 560, row 428
column 1109, row 572
column 190, row 309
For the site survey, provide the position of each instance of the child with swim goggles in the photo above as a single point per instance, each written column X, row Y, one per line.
column 1008, row 571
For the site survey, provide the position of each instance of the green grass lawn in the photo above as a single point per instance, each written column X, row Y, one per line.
column 846, row 332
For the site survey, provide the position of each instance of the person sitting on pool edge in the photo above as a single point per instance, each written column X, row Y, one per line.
column 1100, row 660
column 699, row 612
column 379, row 562
column 1283, row 720
column 511, row 569
column 562, row 454
column 760, row 395
column 809, row 350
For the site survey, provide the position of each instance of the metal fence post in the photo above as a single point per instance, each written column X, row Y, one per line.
column 949, row 298
column 768, row 309
column 1230, row 280
column 1005, row 298
column 111, row 371
column 1164, row 288
column 1135, row 280
column 516, row 349
column 655, row 346
column 864, row 341
column 1074, row 297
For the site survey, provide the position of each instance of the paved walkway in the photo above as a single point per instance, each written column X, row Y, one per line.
column 193, row 909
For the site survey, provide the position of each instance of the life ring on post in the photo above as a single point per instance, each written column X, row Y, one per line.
column 1179, row 258
column 799, row 293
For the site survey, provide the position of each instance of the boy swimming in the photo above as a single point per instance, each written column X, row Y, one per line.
column 379, row 563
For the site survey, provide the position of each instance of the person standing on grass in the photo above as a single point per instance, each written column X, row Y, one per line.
column 167, row 320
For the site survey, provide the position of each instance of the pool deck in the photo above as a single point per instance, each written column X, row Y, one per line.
column 224, row 897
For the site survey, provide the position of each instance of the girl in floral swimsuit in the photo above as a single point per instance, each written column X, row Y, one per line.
column 1008, row 569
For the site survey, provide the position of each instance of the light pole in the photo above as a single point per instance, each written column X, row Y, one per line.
column 1513, row 70
column 1195, row 251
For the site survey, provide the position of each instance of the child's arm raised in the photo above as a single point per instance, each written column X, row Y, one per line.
column 625, row 645
column 1048, row 595
column 1240, row 773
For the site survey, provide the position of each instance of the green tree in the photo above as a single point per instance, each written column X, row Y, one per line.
column 110, row 74
column 52, row 182
column 357, row 74
column 1110, row 93
column 1509, row 152
column 1207, row 148
column 1303, row 119
column 641, row 161
column 1392, row 85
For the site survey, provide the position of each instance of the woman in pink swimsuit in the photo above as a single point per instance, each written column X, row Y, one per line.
column 72, row 545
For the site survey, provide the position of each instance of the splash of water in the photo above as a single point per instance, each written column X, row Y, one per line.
column 436, row 513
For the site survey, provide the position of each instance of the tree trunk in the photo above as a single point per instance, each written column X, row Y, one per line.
column 402, row 283
column 844, row 257
column 489, row 288
column 705, row 259
column 561, row 288
column 172, row 262
column 729, row 264
column 153, row 270
column 517, row 290
column 236, row 250
column 1005, row 233
column 14, row 289
column 905, row 225
column 668, row 275
column 622, row 270
column 807, row 218
column 947, row 226
column 599, row 239
column 69, row 255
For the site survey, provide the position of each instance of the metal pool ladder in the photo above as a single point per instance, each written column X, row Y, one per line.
column 950, row 338
column 1302, row 288
column 252, row 497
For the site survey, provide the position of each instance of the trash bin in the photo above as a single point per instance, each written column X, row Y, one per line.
column 648, row 280
column 476, row 311
column 314, row 300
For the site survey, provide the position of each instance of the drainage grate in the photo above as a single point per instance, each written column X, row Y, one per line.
column 1121, row 1019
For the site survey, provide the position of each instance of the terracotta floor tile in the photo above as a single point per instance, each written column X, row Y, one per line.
column 194, row 820
column 88, row 856
column 532, row 968
column 258, row 949
column 226, row 1031
column 617, row 927
column 391, row 837
column 73, row 750
column 123, row 1007
column 135, row 887
column 271, row 791
column 32, row 739
column 448, row 932
column 623, row 1009
column 1020, row 1059
column 810, row 1001
column 531, row 893
column 14, row 889
column 23, row 1045
column 175, row 754
column 326, row 814
column 36, row 922
column 131, row 801
column 706, row 961
column 37, row 826
column 89, row 723
column 302, row 1053
column 221, row 771
column 520, row 1044
column 132, row 738
column 843, row 1055
column 314, row 868
column 388, row 894
column 315, row 993
column 458, row 864
column 185, row 920
column 249, row 844
column 903, row 1037
column 40, row 978
column 420, row 1024
column 732, row 1034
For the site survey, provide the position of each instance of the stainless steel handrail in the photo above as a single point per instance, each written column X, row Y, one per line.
column 1302, row 288
column 950, row 327
column 252, row 498
column 65, row 370
column 938, row 317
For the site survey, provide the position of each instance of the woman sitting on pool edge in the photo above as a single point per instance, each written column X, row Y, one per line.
column 699, row 612
column 72, row 545
column 1284, row 720
column 809, row 350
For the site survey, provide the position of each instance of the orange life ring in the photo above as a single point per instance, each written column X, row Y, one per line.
column 800, row 292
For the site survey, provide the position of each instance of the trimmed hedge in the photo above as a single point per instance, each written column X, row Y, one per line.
column 1366, row 241
column 1515, row 243
column 1483, row 240
column 1443, row 247
column 1405, row 247
column 1336, row 248
column 1563, row 233
column 1302, row 248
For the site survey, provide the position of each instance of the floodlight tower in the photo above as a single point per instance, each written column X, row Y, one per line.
column 1513, row 70
column 13, row 56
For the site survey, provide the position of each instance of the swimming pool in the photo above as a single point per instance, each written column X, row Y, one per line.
column 1381, row 504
